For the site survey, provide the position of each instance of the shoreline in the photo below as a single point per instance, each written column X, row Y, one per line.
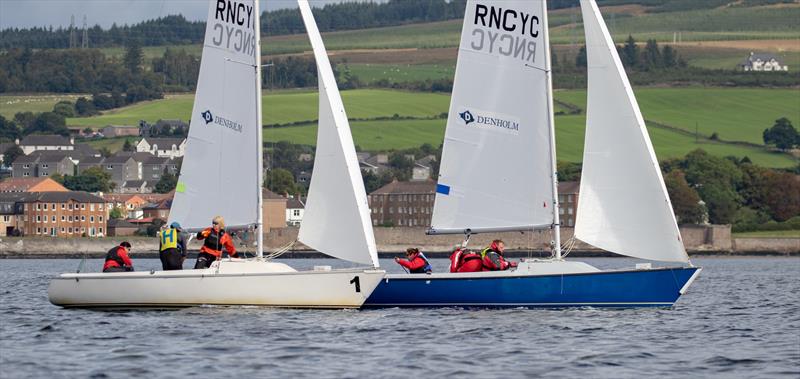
column 310, row 254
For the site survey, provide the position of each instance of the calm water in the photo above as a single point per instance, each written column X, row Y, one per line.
column 741, row 318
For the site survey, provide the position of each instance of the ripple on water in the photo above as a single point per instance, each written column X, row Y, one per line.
column 719, row 329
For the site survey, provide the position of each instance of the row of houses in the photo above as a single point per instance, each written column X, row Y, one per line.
column 411, row 203
column 132, row 172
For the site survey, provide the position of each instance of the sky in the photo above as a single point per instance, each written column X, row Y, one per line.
column 28, row 13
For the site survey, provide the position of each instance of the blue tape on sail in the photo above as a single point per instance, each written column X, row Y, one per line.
column 442, row 189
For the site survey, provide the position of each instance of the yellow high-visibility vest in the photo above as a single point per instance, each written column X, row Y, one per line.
column 169, row 239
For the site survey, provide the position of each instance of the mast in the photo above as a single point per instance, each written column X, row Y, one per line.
column 552, row 129
column 259, row 139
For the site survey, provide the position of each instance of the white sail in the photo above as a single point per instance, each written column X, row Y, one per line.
column 496, row 171
column 623, row 206
column 219, row 175
column 336, row 220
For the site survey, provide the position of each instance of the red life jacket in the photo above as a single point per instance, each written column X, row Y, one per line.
column 465, row 261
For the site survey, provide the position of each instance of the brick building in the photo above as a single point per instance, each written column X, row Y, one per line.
column 58, row 214
column 403, row 203
column 568, row 202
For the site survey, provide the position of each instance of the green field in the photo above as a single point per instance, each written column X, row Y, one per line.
column 372, row 72
column 739, row 114
column 13, row 104
column 285, row 107
column 736, row 114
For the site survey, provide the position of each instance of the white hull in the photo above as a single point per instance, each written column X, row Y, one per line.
column 229, row 282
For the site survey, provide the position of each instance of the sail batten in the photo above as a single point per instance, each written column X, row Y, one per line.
column 623, row 206
column 496, row 161
column 337, row 218
column 222, row 154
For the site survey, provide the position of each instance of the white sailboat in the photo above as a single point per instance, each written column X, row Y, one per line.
column 222, row 174
column 498, row 173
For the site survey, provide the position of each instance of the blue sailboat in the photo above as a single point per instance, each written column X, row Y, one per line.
column 498, row 174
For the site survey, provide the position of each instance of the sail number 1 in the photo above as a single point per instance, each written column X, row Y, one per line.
column 357, row 283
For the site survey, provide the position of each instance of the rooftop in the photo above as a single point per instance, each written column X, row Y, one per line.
column 164, row 142
column 45, row 140
column 569, row 187
column 412, row 187
column 25, row 184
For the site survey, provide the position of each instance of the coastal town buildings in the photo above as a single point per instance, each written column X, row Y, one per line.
column 403, row 203
column 31, row 185
column 162, row 147
column 55, row 214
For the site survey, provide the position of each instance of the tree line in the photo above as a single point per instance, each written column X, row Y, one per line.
column 175, row 29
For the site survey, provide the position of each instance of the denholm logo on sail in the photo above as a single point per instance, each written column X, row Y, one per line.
column 488, row 121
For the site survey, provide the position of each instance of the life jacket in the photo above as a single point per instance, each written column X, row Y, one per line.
column 455, row 260
column 169, row 239
column 427, row 268
column 470, row 262
column 113, row 256
column 214, row 242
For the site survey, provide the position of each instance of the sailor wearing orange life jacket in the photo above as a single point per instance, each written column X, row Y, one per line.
column 415, row 262
column 493, row 259
column 214, row 240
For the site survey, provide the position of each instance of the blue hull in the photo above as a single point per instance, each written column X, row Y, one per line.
column 636, row 288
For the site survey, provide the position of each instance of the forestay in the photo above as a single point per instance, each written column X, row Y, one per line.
column 496, row 169
column 336, row 220
column 219, row 175
column 623, row 206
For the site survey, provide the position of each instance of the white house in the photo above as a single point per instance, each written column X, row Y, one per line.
column 162, row 147
column 295, row 207
column 762, row 62
column 33, row 143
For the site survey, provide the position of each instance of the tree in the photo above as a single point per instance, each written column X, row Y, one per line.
column 651, row 56
column 84, row 107
column 128, row 146
column 281, row 181
column 116, row 213
column 580, row 59
column 8, row 129
column 630, row 53
column 11, row 154
column 64, row 108
column 685, row 200
column 48, row 123
column 166, row 183
column 783, row 135
column 133, row 57
column 669, row 57
column 716, row 180
column 93, row 179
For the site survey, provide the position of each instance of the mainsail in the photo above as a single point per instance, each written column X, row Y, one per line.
column 337, row 219
column 220, row 172
column 496, row 171
column 623, row 206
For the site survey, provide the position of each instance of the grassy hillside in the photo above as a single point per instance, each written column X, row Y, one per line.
column 723, row 23
column 285, row 107
column 736, row 114
column 739, row 114
column 13, row 104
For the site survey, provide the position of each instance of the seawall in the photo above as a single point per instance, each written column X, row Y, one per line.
column 699, row 240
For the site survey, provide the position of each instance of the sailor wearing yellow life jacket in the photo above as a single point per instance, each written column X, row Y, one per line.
column 172, row 247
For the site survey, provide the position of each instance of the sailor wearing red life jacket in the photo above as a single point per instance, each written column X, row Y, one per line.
column 465, row 261
column 493, row 259
column 117, row 259
column 415, row 262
